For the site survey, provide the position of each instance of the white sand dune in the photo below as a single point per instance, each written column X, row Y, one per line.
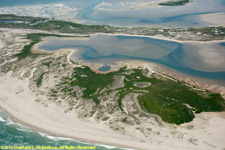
column 205, row 132
column 52, row 120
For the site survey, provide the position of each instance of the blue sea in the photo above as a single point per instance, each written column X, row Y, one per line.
column 13, row 134
column 170, row 54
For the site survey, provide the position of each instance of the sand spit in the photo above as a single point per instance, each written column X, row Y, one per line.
column 215, row 19
column 52, row 120
column 160, row 37
column 19, row 101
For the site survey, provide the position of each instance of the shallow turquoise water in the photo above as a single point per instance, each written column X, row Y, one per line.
column 170, row 54
column 12, row 134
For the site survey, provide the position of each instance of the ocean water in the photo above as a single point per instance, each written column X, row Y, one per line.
column 13, row 134
column 125, row 13
column 122, row 13
column 116, row 48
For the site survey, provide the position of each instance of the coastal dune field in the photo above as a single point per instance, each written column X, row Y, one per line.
column 113, row 74
column 22, row 104
column 22, row 108
column 53, row 120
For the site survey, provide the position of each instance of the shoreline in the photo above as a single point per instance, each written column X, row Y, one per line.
column 160, row 38
column 15, row 120
column 200, row 82
column 128, row 143
column 212, row 85
column 21, row 107
column 52, row 120
column 18, row 102
column 12, row 113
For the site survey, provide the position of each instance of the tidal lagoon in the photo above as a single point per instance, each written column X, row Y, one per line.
column 188, row 58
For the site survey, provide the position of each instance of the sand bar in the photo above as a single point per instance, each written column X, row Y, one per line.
column 52, row 120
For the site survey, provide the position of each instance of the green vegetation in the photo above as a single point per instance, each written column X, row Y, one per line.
column 26, row 51
column 47, row 63
column 175, row 102
column 63, row 65
column 51, row 25
column 10, row 17
column 215, row 32
column 172, row 100
column 91, row 81
column 175, row 3
column 39, row 80
column 59, row 26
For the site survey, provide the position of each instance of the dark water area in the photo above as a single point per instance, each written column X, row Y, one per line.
column 12, row 21
column 104, row 68
column 13, row 134
column 222, row 44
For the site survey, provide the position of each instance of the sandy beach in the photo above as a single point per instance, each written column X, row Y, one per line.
column 49, row 94
column 52, row 120
column 18, row 101
column 160, row 37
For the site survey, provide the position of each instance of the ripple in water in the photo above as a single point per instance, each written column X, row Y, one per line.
column 12, row 134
